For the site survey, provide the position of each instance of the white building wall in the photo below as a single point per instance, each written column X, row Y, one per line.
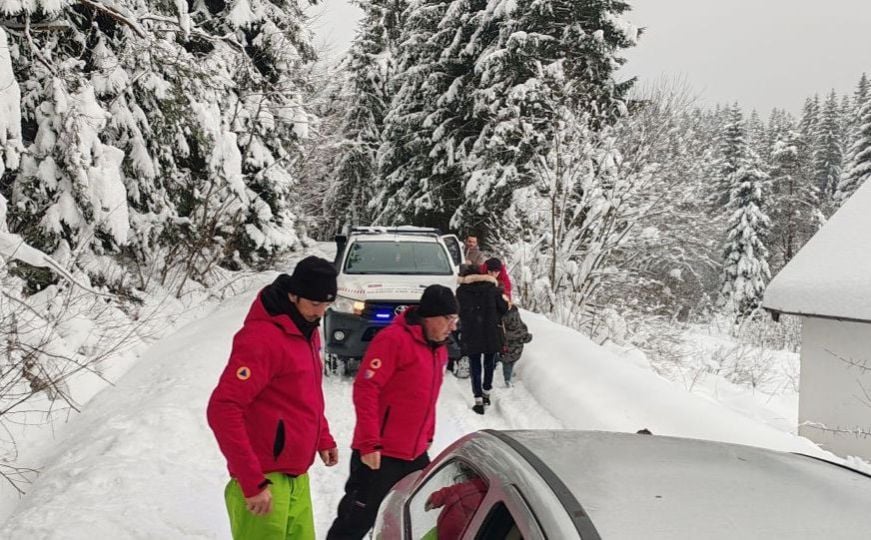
column 832, row 392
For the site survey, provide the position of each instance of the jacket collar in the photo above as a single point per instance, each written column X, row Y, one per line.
column 477, row 278
column 258, row 313
column 412, row 323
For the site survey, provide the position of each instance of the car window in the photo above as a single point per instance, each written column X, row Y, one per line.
column 446, row 503
column 453, row 245
column 499, row 525
column 407, row 258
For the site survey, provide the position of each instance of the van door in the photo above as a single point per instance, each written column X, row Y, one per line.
column 455, row 248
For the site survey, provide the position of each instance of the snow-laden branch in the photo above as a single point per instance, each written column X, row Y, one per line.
column 51, row 26
column 13, row 247
column 116, row 14
column 228, row 38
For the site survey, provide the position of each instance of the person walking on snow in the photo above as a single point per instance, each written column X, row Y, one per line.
column 481, row 308
column 516, row 336
column 267, row 411
column 395, row 394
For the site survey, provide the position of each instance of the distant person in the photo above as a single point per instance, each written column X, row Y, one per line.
column 481, row 308
column 496, row 268
column 267, row 411
column 472, row 253
column 395, row 394
column 516, row 336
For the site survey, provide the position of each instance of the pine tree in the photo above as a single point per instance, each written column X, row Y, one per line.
column 793, row 202
column 366, row 94
column 858, row 165
column 756, row 135
column 828, row 154
column 745, row 266
column 733, row 148
column 549, row 54
column 165, row 136
column 418, row 181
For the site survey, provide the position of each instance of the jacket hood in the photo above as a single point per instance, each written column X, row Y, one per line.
column 409, row 320
column 258, row 313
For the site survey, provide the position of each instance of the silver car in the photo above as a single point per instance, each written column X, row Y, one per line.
column 584, row 484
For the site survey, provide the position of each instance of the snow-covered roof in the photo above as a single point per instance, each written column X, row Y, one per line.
column 831, row 275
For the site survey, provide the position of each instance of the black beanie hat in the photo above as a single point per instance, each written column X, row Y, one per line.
column 438, row 300
column 493, row 265
column 314, row 279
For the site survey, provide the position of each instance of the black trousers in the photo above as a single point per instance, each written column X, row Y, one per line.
column 364, row 492
column 479, row 362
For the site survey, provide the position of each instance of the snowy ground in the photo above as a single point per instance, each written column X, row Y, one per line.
column 140, row 461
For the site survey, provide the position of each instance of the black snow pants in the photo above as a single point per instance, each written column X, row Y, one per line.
column 364, row 492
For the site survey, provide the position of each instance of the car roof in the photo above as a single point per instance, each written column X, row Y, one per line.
column 392, row 237
column 647, row 486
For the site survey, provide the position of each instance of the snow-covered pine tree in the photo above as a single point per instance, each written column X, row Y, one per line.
column 858, row 165
column 265, row 45
column 756, row 136
column 550, row 54
column 779, row 122
column 733, row 148
column 851, row 116
column 403, row 191
column 793, row 202
column 432, row 124
column 829, row 150
column 368, row 71
column 745, row 256
column 175, row 119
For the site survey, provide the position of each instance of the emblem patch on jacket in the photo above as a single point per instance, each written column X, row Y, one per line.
column 243, row 373
column 375, row 363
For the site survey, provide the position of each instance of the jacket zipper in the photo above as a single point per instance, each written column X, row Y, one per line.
column 384, row 421
column 318, row 369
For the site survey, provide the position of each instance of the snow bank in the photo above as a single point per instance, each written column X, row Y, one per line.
column 587, row 387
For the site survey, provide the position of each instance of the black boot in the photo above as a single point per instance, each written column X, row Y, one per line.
column 479, row 406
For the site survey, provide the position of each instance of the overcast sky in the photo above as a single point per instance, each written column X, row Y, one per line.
column 761, row 53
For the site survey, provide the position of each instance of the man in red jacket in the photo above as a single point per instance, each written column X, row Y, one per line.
column 395, row 396
column 267, row 411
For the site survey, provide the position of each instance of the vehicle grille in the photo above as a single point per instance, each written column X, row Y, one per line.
column 384, row 311
column 370, row 333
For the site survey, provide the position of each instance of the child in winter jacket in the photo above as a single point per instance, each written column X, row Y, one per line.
column 516, row 336
column 459, row 503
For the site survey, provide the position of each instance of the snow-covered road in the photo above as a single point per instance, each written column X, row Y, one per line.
column 140, row 461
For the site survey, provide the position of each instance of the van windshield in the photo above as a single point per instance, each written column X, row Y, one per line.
column 398, row 258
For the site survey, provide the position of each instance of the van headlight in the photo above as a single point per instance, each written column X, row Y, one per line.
column 343, row 304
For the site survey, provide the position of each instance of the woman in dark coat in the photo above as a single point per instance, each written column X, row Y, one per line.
column 481, row 308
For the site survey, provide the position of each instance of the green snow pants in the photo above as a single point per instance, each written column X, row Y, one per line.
column 291, row 517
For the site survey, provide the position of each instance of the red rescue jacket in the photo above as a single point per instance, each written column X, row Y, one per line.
column 267, row 411
column 396, row 389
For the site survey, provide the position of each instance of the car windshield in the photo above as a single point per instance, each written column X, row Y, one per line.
column 402, row 258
